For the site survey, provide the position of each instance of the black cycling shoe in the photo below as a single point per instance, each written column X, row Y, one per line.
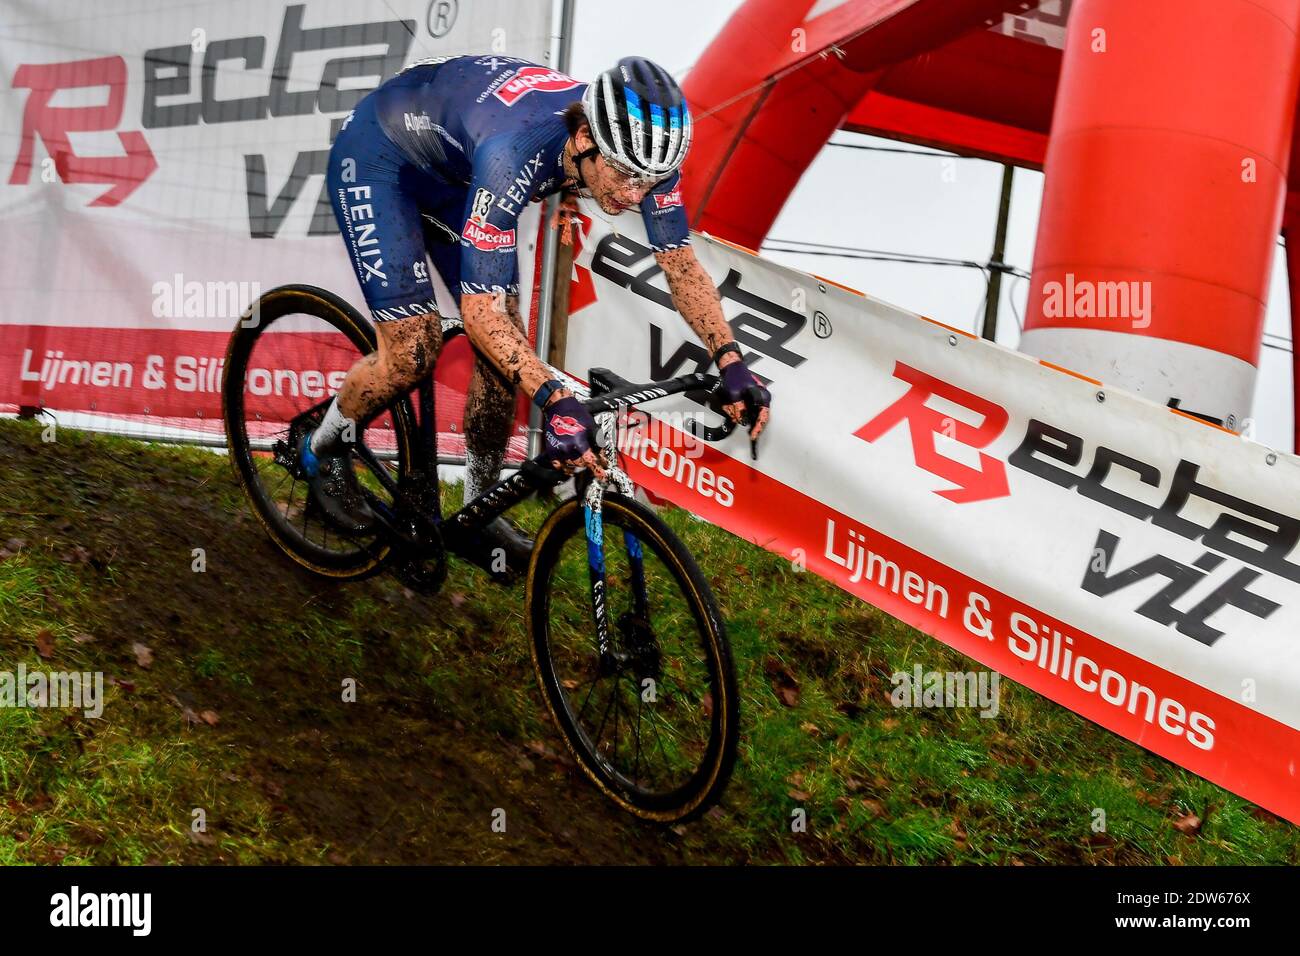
column 500, row 549
column 334, row 490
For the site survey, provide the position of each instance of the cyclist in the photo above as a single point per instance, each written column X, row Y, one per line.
column 441, row 160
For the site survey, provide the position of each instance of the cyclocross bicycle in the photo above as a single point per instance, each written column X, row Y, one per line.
column 628, row 644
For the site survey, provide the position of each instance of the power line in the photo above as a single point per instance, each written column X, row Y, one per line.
column 874, row 258
column 907, row 152
column 882, row 255
column 885, row 255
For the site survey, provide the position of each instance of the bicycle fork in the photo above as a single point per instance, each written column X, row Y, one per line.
column 611, row 657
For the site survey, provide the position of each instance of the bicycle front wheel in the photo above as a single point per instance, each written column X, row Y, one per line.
column 654, row 720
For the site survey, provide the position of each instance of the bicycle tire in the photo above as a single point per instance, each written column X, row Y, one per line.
column 709, row 780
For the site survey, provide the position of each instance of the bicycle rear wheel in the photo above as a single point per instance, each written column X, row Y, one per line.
column 285, row 361
column 654, row 725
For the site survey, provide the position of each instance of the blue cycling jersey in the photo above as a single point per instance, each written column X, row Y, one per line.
column 441, row 159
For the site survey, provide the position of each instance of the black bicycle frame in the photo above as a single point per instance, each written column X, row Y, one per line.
column 610, row 393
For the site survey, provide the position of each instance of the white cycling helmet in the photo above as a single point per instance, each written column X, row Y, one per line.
column 639, row 118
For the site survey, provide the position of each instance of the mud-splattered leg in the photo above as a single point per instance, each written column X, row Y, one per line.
column 406, row 353
column 489, row 414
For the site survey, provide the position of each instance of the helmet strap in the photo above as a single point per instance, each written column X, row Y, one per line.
column 577, row 163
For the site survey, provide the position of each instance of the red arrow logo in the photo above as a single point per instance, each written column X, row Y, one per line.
column 124, row 174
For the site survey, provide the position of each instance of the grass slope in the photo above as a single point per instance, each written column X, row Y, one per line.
column 224, row 696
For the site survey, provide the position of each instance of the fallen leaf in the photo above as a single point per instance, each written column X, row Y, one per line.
column 808, row 727
column 539, row 749
column 456, row 598
column 800, row 795
column 1189, row 824
column 189, row 717
column 202, row 839
column 706, row 703
column 958, row 832
column 45, row 643
column 889, row 723
column 210, row 717
column 680, row 830
column 84, row 638
column 143, row 654
column 874, row 807
column 783, row 682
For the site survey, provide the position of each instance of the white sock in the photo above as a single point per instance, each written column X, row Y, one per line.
column 331, row 427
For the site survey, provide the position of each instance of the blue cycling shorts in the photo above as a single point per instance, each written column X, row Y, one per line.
column 392, row 215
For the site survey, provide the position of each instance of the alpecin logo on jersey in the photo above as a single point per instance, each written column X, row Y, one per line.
column 480, row 233
column 669, row 199
column 529, row 78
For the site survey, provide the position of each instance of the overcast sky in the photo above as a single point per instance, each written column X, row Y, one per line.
column 897, row 203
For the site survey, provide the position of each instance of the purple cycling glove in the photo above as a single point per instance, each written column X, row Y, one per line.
column 570, row 429
column 740, row 385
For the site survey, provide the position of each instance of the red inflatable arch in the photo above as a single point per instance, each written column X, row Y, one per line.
column 1165, row 129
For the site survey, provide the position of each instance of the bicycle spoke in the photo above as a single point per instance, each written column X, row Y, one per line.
column 636, row 767
column 603, row 719
column 595, row 680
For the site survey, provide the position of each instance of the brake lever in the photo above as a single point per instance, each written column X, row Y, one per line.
column 712, row 433
column 715, row 433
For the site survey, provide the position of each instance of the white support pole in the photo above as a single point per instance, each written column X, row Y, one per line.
column 546, row 280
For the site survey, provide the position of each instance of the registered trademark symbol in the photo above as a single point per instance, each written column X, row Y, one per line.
column 441, row 17
column 821, row 325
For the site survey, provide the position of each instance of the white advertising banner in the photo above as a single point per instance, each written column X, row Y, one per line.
column 163, row 163
column 1126, row 560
